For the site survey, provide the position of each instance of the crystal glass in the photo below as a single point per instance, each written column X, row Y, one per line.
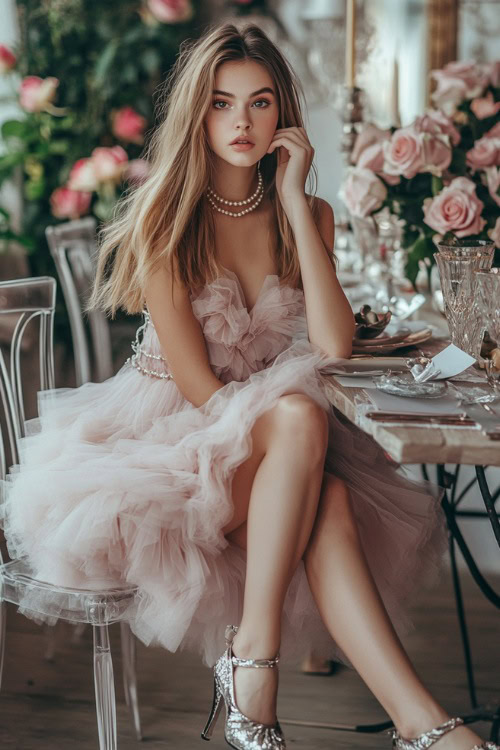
column 466, row 248
column 459, row 285
column 488, row 283
column 403, row 384
column 366, row 236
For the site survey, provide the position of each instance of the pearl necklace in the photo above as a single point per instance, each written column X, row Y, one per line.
column 256, row 197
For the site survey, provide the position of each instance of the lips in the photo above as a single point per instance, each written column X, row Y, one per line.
column 241, row 140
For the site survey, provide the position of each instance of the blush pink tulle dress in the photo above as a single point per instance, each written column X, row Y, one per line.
column 127, row 481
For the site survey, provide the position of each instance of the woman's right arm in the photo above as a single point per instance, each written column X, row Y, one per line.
column 181, row 337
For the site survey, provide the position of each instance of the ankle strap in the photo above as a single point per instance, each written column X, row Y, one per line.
column 231, row 631
column 426, row 739
column 257, row 663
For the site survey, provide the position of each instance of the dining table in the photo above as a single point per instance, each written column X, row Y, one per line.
column 444, row 449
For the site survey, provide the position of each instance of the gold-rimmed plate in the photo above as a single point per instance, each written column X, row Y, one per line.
column 387, row 344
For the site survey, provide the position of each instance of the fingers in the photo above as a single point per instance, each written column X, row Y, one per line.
column 288, row 144
column 300, row 132
column 292, row 142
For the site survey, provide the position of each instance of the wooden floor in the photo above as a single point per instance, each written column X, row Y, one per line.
column 51, row 705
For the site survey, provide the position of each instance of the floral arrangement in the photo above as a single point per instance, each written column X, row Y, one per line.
column 439, row 177
column 84, row 75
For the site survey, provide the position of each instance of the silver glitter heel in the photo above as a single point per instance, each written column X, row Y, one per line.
column 241, row 733
column 425, row 740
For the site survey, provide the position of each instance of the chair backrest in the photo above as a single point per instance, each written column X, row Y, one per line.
column 23, row 301
column 73, row 246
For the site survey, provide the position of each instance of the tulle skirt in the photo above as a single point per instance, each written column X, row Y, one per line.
column 126, row 481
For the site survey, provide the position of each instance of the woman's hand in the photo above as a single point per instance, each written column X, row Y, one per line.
column 295, row 155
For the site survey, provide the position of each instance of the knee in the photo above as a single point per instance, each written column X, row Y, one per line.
column 303, row 424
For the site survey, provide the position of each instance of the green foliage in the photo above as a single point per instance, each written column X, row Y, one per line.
column 423, row 250
column 105, row 56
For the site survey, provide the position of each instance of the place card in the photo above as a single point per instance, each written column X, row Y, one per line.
column 449, row 362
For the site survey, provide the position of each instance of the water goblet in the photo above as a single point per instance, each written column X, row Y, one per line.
column 459, row 286
column 489, row 302
column 467, row 248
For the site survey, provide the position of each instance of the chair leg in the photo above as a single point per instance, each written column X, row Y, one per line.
column 104, row 689
column 129, row 676
column 3, row 628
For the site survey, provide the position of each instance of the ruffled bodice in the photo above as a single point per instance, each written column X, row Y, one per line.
column 127, row 481
column 239, row 341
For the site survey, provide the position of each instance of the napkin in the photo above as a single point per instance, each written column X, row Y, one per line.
column 355, row 382
column 449, row 362
column 401, row 405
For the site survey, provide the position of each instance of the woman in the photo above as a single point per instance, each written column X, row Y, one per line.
column 210, row 471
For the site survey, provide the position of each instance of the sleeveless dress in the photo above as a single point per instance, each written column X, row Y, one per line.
column 127, row 481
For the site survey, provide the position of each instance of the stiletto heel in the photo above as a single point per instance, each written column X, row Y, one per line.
column 240, row 732
column 426, row 739
column 214, row 714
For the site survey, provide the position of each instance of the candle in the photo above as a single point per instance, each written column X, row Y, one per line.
column 395, row 117
column 350, row 51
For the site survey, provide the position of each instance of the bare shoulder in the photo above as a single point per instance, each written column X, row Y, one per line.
column 325, row 221
column 165, row 286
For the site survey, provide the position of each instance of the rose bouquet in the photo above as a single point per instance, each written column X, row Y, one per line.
column 438, row 177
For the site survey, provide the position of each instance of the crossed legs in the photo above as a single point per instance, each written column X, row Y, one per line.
column 287, row 508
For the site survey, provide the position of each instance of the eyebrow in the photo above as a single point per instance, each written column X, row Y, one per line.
column 265, row 90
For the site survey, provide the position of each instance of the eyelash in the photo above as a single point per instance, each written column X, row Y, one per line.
column 220, row 101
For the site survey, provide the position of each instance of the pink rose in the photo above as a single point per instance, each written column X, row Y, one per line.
column 108, row 163
column 69, row 204
column 404, row 153
column 485, row 106
column 370, row 135
column 455, row 209
column 434, row 121
column 436, row 153
column 373, row 158
column 83, row 176
column 35, row 94
column 485, row 153
column 493, row 70
column 493, row 132
column 494, row 233
column 7, row 59
column 170, row 11
column 363, row 192
column 458, row 81
column 137, row 171
column 493, row 182
column 128, row 125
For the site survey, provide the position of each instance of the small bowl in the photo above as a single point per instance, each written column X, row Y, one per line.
column 369, row 323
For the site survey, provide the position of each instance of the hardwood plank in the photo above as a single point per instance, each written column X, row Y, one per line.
column 47, row 705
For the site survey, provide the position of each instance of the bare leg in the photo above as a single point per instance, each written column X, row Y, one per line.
column 281, row 512
column 354, row 614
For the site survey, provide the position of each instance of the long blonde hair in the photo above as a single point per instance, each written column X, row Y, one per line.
column 167, row 218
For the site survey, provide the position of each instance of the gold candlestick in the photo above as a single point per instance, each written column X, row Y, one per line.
column 395, row 115
column 350, row 47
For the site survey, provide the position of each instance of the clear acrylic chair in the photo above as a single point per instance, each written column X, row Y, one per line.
column 24, row 303
column 73, row 246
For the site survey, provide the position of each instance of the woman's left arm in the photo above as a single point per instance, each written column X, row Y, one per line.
column 330, row 320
